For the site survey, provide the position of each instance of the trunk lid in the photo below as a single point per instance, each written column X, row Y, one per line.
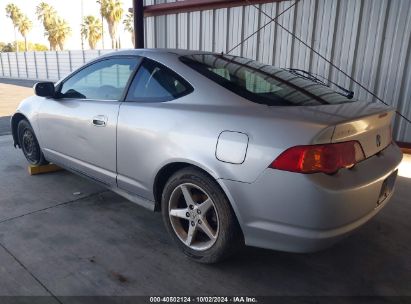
column 372, row 131
column 367, row 123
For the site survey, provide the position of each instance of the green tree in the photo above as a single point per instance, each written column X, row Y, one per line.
column 24, row 26
column 60, row 31
column 56, row 29
column 48, row 15
column 11, row 47
column 6, row 47
column 14, row 13
column 91, row 29
column 17, row 45
column 38, row 47
column 129, row 25
column 112, row 11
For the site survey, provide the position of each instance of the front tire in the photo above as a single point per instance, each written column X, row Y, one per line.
column 29, row 144
column 199, row 217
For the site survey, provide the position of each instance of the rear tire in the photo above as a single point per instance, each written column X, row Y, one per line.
column 199, row 217
column 29, row 144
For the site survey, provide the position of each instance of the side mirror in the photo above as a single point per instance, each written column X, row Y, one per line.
column 44, row 89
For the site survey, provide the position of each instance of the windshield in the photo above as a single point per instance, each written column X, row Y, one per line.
column 261, row 83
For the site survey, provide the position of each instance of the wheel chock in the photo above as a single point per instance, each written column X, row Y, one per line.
column 34, row 170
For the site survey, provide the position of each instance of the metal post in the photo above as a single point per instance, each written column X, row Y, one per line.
column 138, row 12
column 58, row 65
column 71, row 65
column 8, row 59
column 35, row 65
column 2, row 65
column 47, row 66
column 25, row 62
column 18, row 67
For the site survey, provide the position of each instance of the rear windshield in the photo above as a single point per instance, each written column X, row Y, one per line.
column 261, row 83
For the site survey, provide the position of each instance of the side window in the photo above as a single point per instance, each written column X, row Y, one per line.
column 104, row 80
column 154, row 82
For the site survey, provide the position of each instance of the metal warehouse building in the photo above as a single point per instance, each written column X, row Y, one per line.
column 368, row 39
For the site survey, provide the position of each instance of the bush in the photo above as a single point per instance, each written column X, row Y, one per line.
column 11, row 47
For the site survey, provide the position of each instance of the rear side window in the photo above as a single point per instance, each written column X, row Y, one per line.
column 261, row 83
column 155, row 82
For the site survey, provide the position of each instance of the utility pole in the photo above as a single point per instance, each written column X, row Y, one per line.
column 138, row 13
column 82, row 20
column 15, row 39
column 102, row 27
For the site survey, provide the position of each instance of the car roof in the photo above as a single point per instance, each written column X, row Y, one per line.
column 159, row 51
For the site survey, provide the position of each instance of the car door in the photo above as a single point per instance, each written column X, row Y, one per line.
column 78, row 127
column 144, row 119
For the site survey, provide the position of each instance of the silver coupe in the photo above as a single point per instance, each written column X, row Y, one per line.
column 231, row 151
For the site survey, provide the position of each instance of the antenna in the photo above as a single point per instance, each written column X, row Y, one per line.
column 312, row 49
column 329, row 61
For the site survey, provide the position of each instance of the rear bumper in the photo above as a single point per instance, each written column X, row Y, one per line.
column 302, row 213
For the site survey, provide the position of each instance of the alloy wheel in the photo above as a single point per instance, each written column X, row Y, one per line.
column 193, row 216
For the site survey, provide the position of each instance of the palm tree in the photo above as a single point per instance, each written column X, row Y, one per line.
column 112, row 11
column 25, row 26
column 52, row 40
column 55, row 28
column 14, row 13
column 48, row 15
column 60, row 31
column 91, row 30
column 129, row 25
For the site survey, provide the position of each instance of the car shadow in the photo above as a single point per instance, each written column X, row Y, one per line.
column 5, row 125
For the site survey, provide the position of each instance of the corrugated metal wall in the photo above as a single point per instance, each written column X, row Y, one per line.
column 368, row 39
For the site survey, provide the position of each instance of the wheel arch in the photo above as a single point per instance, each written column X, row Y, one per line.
column 169, row 169
column 165, row 173
column 15, row 119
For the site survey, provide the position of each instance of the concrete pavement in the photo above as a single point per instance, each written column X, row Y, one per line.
column 12, row 92
column 20, row 82
column 5, row 125
column 11, row 95
column 57, row 243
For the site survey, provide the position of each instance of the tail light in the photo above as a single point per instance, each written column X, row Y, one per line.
column 327, row 158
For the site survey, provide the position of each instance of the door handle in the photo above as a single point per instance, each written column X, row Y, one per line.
column 100, row 121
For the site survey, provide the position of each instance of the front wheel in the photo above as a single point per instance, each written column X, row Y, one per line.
column 29, row 144
column 199, row 217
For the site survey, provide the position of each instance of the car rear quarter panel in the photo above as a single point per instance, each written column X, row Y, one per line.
column 152, row 135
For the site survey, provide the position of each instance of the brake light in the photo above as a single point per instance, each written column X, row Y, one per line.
column 327, row 158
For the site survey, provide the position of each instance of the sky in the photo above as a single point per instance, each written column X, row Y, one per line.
column 70, row 10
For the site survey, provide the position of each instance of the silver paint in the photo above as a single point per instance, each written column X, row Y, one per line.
column 275, row 209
